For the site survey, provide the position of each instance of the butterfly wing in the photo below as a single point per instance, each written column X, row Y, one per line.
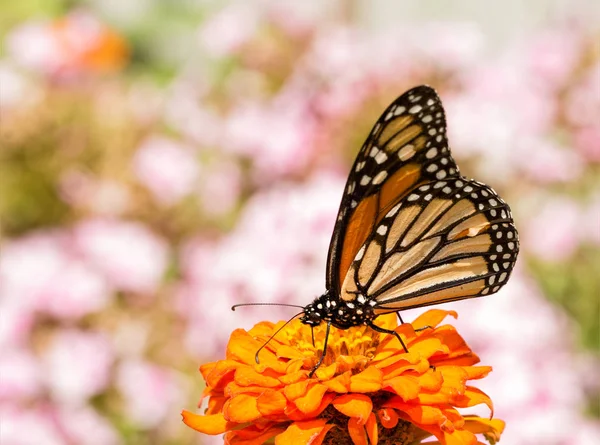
column 406, row 147
column 446, row 240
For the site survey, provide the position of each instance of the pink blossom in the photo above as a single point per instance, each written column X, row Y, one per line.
column 150, row 392
column 33, row 426
column 278, row 136
column 64, row 286
column 225, row 32
column 553, row 232
column 587, row 142
column 84, row 426
column 167, row 168
column 582, row 106
column 77, row 365
column 222, row 185
column 21, row 375
column 130, row 256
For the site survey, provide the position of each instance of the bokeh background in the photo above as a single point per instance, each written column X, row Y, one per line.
column 163, row 160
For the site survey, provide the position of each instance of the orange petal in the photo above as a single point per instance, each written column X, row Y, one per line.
column 472, row 397
column 215, row 404
column 426, row 347
column 214, row 424
column 407, row 387
column 357, row 432
column 459, row 437
column 369, row 380
column 388, row 321
column 293, row 413
column 354, row 405
column 309, row 432
column 241, row 408
column 431, row 381
column 242, row 347
column 371, row 428
column 221, row 374
column 271, row 402
column 312, row 399
column 293, row 377
column 422, row 414
column 388, row 417
column 339, row 384
column 286, row 351
column 247, row 376
column 432, row 317
column 478, row 425
column 252, row 435
column 296, row 390
column 477, row 372
column 326, row 372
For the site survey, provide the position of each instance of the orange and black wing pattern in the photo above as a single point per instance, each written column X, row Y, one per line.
column 407, row 147
column 411, row 231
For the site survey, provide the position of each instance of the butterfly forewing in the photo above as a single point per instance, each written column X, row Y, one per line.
column 406, row 148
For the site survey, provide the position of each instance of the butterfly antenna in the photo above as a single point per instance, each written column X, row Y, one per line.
column 272, row 336
column 235, row 306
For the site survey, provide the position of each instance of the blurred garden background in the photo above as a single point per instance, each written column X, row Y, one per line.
column 163, row 160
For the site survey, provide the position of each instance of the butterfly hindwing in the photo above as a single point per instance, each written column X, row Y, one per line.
column 406, row 147
column 446, row 240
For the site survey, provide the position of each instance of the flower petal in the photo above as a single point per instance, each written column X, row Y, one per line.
column 296, row 390
column 358, row 406
column 241, row 408
column 252, row 435
column 271, row 402
column 312, row 399
column 388, row 417
column 309, row 432
column 246, row 376
column 213, row 424
column 407, row 387
column 371, row 428
column 432, row 317
column 490, row 427
column 340, row 384
column 369, row 380
column 357, row 432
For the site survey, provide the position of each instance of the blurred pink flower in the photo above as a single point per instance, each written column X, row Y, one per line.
column 226, row 31
column 553, row 56
column 84, row 426
column 278, row 137
column 553, row 232
column 167, row 168
column 149, row 392
column 587, row 142
column 101, row 196
column 77, row 365
column 75, row 44
column 32, row 426
column 582, row 106
column 130, row 256
column 64, row 286
column 222, row 186
column 21, row 375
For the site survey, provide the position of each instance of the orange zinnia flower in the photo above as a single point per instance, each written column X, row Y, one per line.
column 367, row 391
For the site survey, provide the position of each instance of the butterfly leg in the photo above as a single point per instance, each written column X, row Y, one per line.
column 312, row 335
column 388, row 331
column 324, row 351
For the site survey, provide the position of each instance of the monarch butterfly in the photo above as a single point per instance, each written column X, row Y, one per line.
column 411, row 231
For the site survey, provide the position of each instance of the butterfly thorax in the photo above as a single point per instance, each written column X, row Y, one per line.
column 342, row 314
